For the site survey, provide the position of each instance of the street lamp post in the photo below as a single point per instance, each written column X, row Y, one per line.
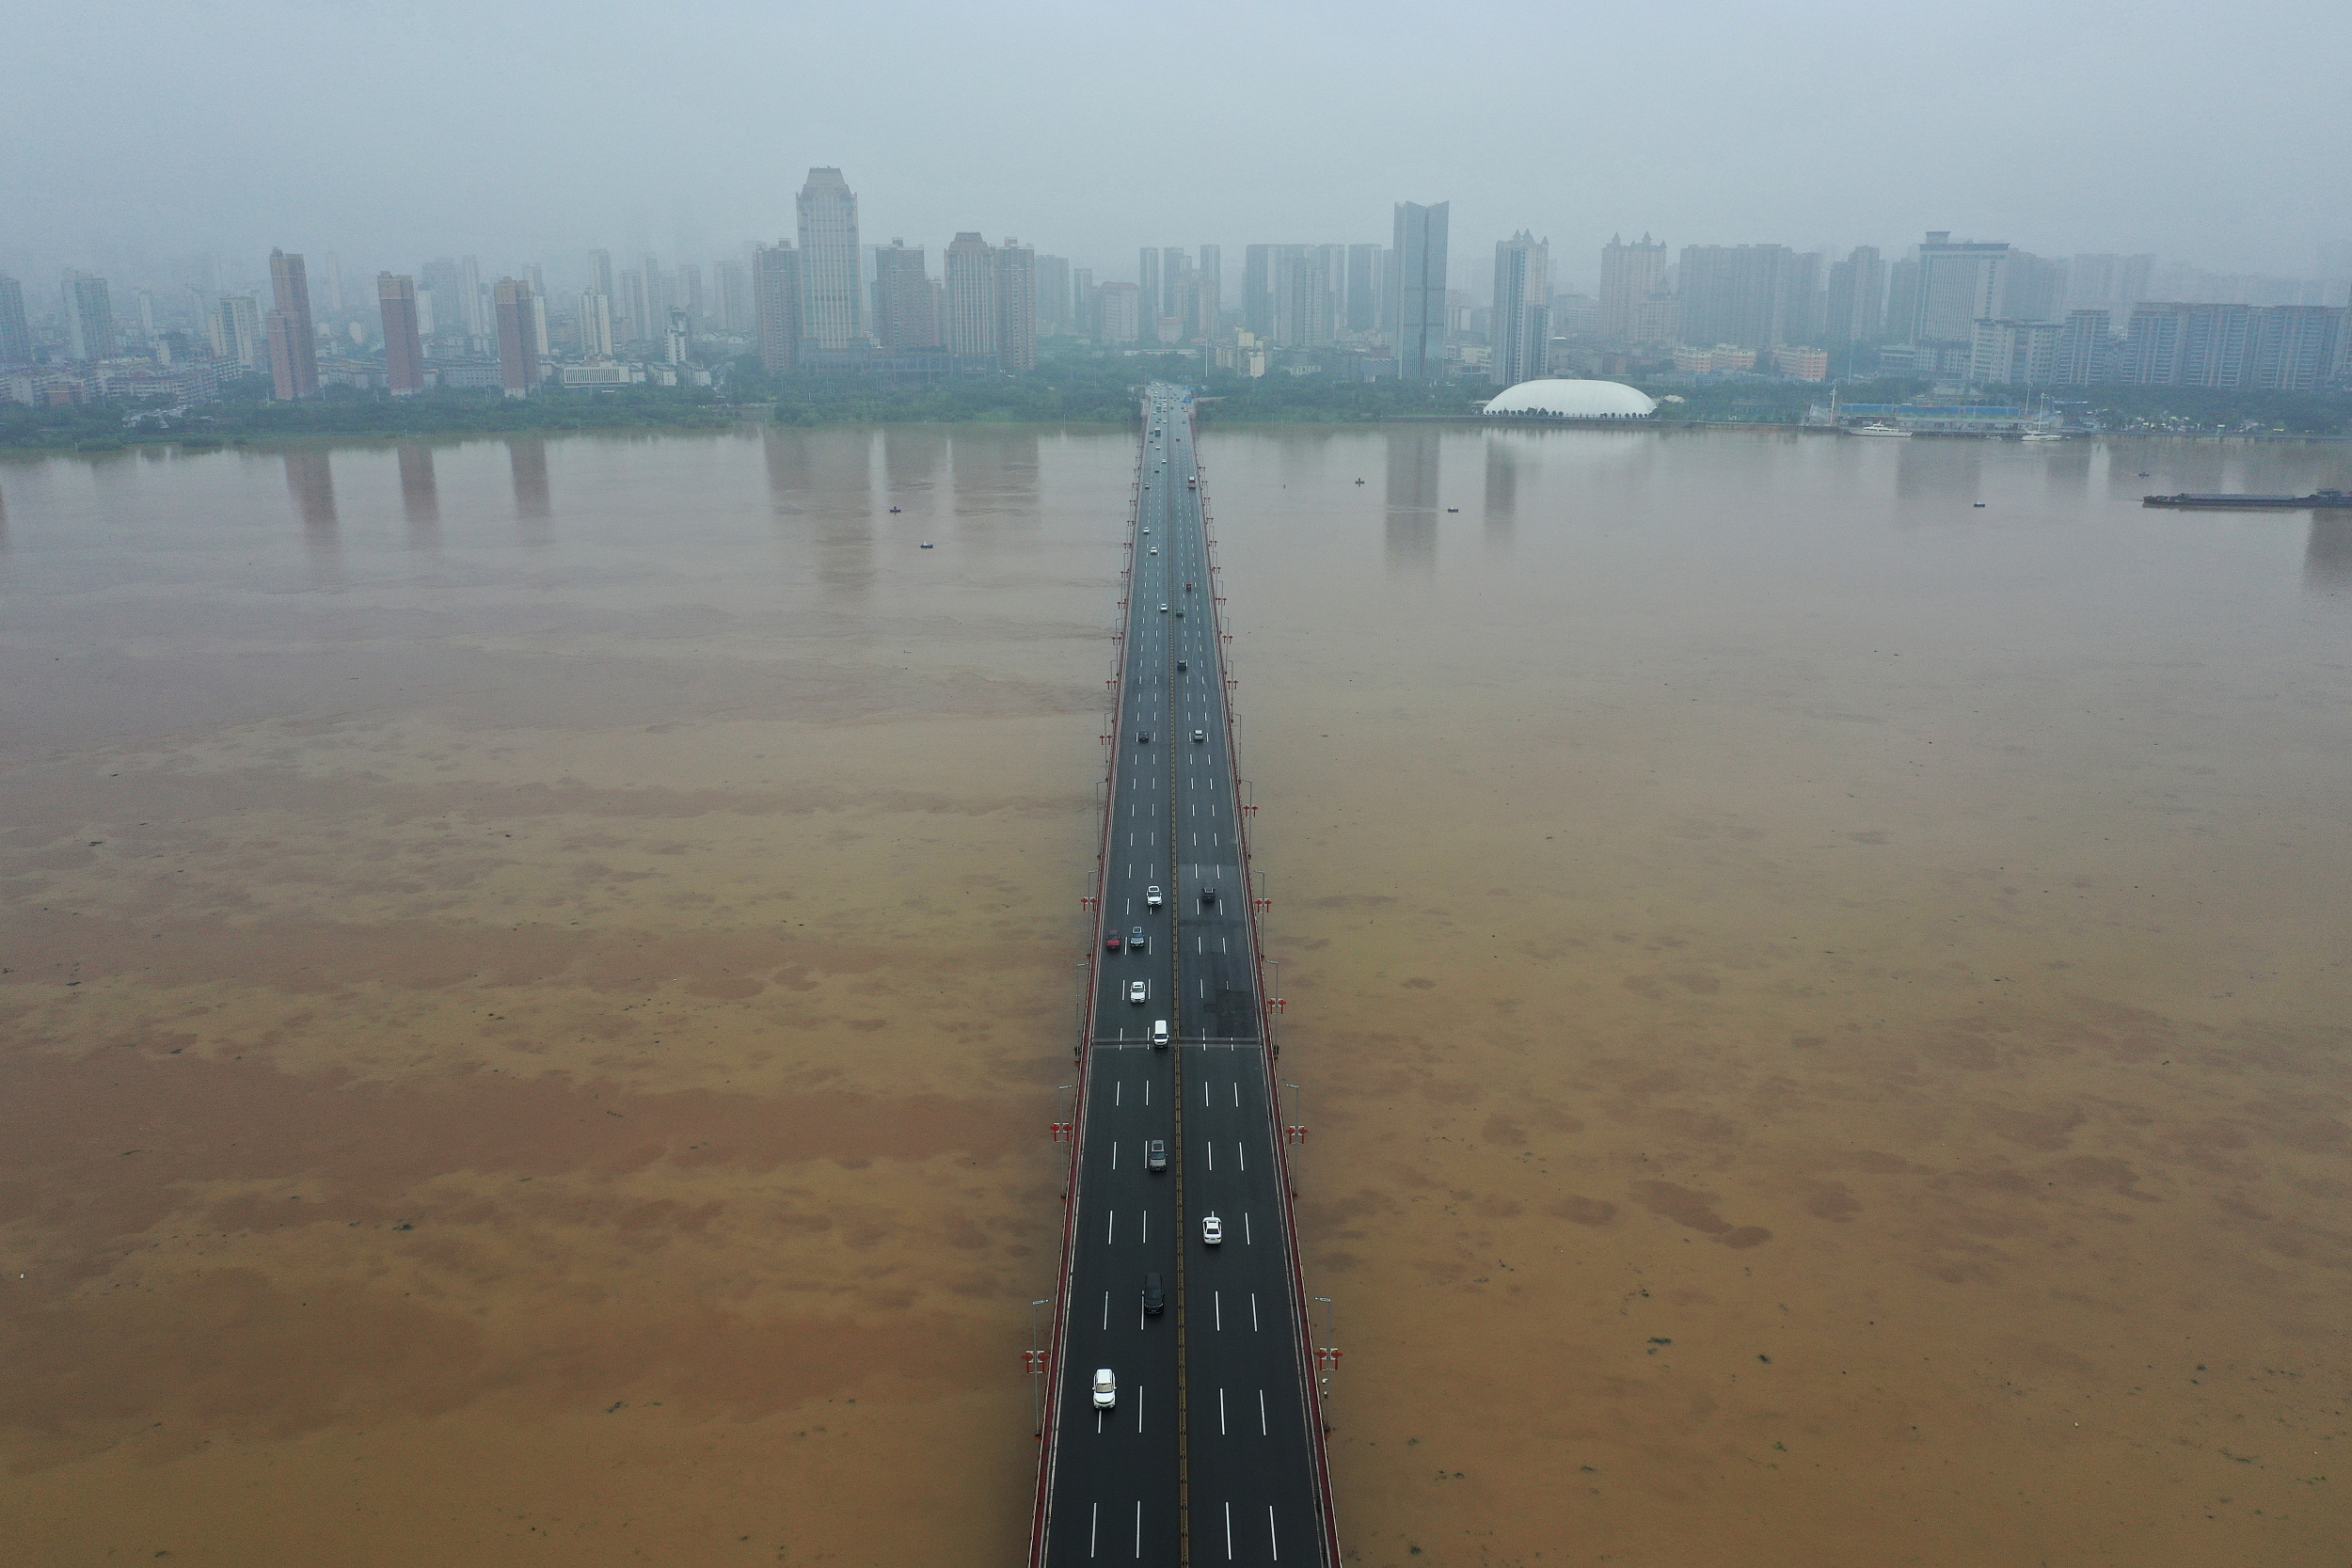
column 1037, row 1374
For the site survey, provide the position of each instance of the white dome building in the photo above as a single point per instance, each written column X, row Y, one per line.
column 1573, row 399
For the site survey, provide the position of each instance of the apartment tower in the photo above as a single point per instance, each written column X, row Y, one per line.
column 1417, row 289
column 404, row 348
column 298, row 377
column 832, row 266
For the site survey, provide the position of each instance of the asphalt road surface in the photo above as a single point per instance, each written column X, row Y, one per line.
column 1209, row 1454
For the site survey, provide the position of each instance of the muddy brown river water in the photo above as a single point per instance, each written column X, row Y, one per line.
column 533, row 978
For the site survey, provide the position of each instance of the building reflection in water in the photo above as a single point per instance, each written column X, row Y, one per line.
column 527, row 458
column 1502, row 494
column 312, row 483
column 996, row 475
column 915, row 459
column 2328, row 556
column 820, row 483
column 1412, row 501
column 420, row 495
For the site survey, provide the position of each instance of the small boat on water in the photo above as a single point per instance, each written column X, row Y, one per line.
column 2316, row 500
column 2041, row 435
column 1875, row 428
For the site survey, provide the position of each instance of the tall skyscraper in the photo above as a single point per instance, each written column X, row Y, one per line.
column 16, row 331
column 1150, row 285
column 1735, row 293
column 404, row 348
column 2109, row 282
column 469, row 299
column 519, row 340
column 732, row 288
column 596, row 324
column 1211, row 291
column 971, row 312
column 1416, row 259
column 904, row 317
column 334, row 281
column 1857, row 302
column 1119, row 305
column 1364, row 288
column 1175, row 266
column 776, row 293
column 441, row 309
column 1257, row 289
column 1052, row 296
column 1016, row 307
column 1959, row 285
column 633, row 320
column 89, row 318
column 1802, row 323
column 1522, row 308
column 1086, row 317
column 689, row 293
column 290, row 285
column 235, row 320
column 600, row 272
column 832, row 288
column 656, row 320
column 1629, row 274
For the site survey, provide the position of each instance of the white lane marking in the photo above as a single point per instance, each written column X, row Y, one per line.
column 1114, row 1154
column 1117, row 1087
column 1253, row 1315
column 1220, row 1413
column 1146, row 1240
column 1229, row 1532
column 1247, row 1239
column 1147, row 1088
column 1138, row 1527
column 1112, row 1229
column 1106, row 1311
column 1094, row 1526
column 1139, row 1408
column 1217, row 1301
column 1211, row 1149
column 1220, row 945
column 1241, row 1152
column 1272, row 1544
column 1236, row 1103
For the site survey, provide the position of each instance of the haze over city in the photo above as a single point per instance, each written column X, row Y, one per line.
column 528, row 133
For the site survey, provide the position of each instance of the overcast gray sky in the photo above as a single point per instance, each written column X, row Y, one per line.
column 2214, row 132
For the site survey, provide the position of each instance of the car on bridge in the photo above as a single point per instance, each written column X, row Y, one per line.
column 1105, row 1390
column 1155, row 1298
column 1163, row 609
column 1200, row 736
column 1110, row 942
column 1138, row 990
column 1182, row 665
column 1211, row 1231
column 1136, row 943
column 1155, row 1155
column 1152, row 894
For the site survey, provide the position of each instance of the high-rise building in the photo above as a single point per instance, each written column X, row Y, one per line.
column 334, row 281
column 289, row 283
column 474, row 316
column 656, row 320
column 1629, row 274
column 2107, row 282
column 1016, row 305
column 904, row 318
column 1522, row 334
column 1856, row 302
column 831, row 317
column 1362, row 313
column 404, row 347
column 284, row 367
column 1257, row 291
column 235, row 320
column 16, row 331
column 972, row 311
column 732, row 285
column 689, row 293
column 1085, row 319
column 776, row 296
column 439, row 309
column 519, row 343
column 1417, row 259
column 679, row 341
column 2086, row 350
column 2296, row 346
column 596, row 324
column 1735, row 293
column 2033, row 288
column 632, row 316
column 1958, row 286
column 1175, row 266
column 600, row 272
column 1211, row 301
column 1054, row 318
column 89, row 318
column 1119, row 307
column 1149, row 281
column 2013, row 353
column 1807, row 306
column 2273, row 347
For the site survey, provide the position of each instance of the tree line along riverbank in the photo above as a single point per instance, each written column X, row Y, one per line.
column 1092, row 390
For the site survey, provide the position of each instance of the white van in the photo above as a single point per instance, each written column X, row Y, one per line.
column 1159, row 1033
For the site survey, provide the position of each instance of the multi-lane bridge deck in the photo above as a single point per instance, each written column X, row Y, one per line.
column 1213, row 1449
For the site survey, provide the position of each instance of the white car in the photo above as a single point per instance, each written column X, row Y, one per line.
column 1138, row 990
column 1105, row 1390
column 1163, row 609
column 1155, row 549
column 1213, row 1231
column 1152, row 894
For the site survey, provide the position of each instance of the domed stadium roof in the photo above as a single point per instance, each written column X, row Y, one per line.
column 1575, row 399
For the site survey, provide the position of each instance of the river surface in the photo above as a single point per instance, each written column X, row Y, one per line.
column 534, row 978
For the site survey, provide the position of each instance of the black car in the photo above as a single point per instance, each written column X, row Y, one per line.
column 1182, row 665
column 1144, row 739
column 1136, row 942
column 1155, row 1298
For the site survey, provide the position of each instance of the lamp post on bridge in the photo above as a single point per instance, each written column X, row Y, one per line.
column 1327, row 1359
column 1037, row 1374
